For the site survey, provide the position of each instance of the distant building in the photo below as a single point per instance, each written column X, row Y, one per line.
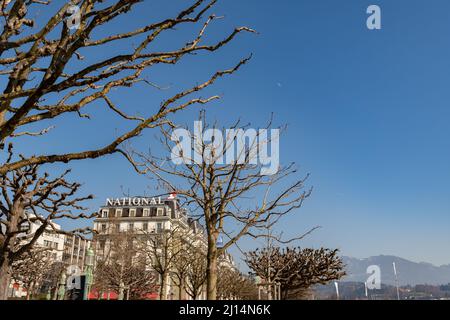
column 49, row 239
column 66, row 249
column 75, row 249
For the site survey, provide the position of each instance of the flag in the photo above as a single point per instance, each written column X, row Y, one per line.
column 220, row 241
column 172, row 196
column 395, row 269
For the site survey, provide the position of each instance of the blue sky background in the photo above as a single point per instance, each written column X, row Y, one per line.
column 368, row 115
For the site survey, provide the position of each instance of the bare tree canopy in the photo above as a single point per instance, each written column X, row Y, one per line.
column 31, row 269
column 196, row 272
column 296, row 269
column 52, row 71
column 233, row 285
column 161, row 251
column 30, row 204
column 122, row 267
column 231, row 198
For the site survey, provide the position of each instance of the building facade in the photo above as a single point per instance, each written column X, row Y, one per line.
column 75, row 249
column 68, row 250
column 149, row 216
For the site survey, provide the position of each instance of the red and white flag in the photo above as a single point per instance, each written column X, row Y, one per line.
column 172, row 196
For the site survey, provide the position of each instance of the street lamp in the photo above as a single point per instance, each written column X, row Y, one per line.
column 89, row 264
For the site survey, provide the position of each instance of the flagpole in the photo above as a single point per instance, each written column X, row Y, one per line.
column 396, row 280
column 337, row 290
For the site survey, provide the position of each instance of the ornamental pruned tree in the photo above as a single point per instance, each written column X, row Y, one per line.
column 231, row 197
column 295, row 269
column 30, row 204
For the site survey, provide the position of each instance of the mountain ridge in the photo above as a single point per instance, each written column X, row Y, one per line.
column 408, row 272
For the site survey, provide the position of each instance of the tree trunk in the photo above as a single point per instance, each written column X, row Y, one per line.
column 163, row 290
column 29, row 289
column 181, row 293
column 211, row 271
column 5, row 278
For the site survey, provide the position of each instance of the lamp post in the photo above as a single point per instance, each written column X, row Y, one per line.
column 88, row 273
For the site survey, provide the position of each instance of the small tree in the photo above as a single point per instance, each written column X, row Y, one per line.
column 296, row 269
column 181, row 266
column 196, row 273
column 31, row 269
column 162, row 250
column 232, row 284
column 123, row 268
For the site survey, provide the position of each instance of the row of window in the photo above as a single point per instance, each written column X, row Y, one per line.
column 145, row 227
column 132, row 212
column 50, row 244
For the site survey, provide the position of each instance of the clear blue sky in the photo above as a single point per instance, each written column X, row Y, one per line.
column 368, row 115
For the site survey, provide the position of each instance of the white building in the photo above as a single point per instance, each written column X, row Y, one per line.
column 145, row 215
column 67, row 249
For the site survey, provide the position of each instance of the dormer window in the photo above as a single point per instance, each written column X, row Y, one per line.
column 118, row 213
column 146, row 213
column 132, row 212
column 105, row 213
column 159, row 212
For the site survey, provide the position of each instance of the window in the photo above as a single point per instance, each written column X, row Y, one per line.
column 118, row 213
column 160, row 212
column 159, row 227
column 103, row 227
column 146, row 213
column 145, row 226
column 132, row 212
column 131, row 226
column 117, row 226
column 105, row 213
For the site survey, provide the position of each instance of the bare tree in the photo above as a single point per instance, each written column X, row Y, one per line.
column 296, row 269
column 181, row 266
column 232, row 284
column 52, row 71
column 122, row 267
column 30, row 270
column 196, row 273
column 232, row 197
column 162, row 249
column 30, row 197
column 53, row 276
